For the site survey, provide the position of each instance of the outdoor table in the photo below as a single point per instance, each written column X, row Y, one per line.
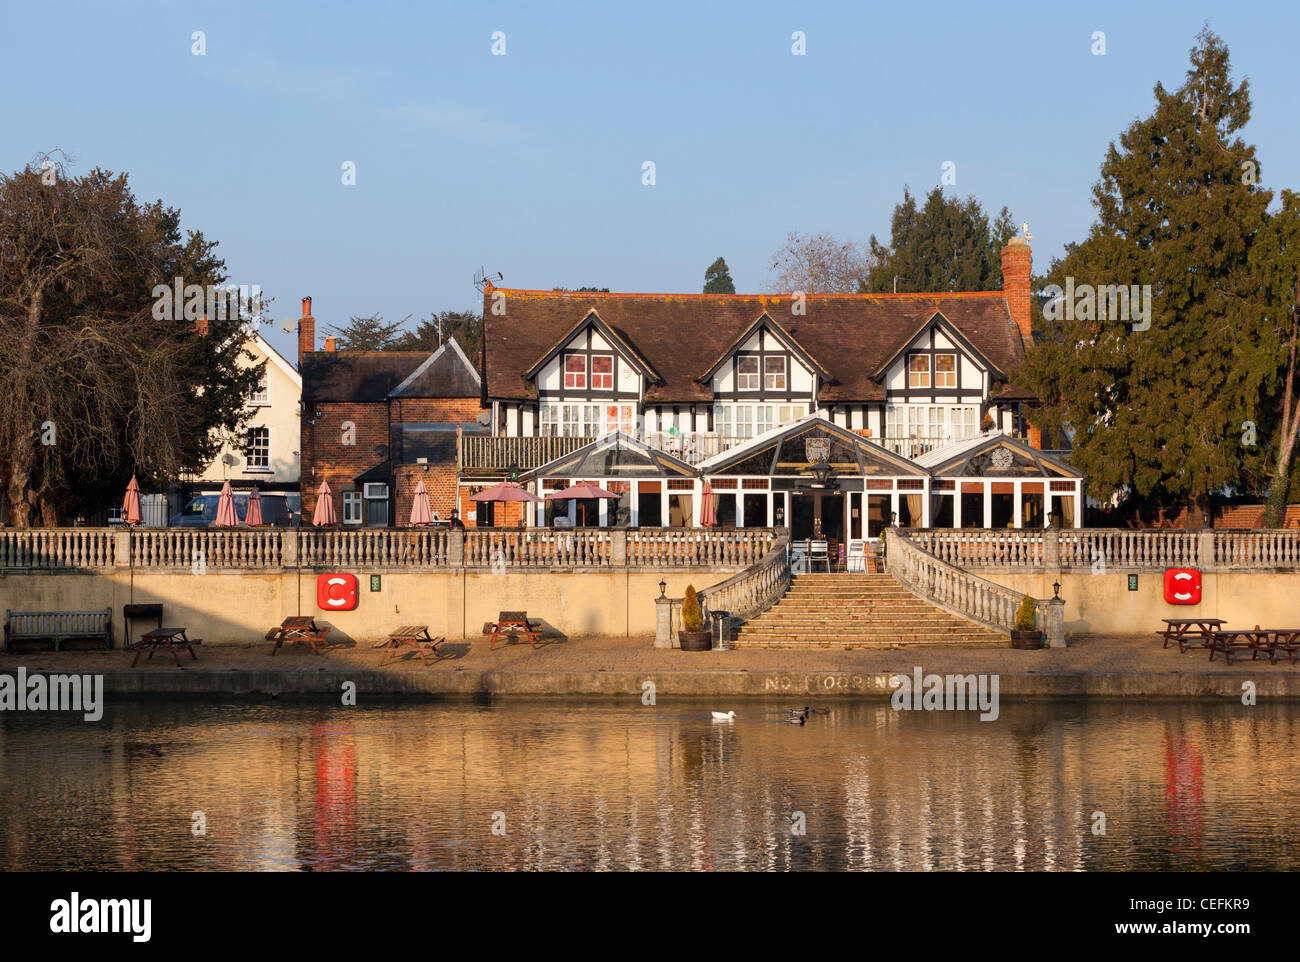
column 298, row 629
column 166, row 639
column 1235, row 639
column 409, row 636
column 1285, row 640
column 1178, row 630
column 512, row 624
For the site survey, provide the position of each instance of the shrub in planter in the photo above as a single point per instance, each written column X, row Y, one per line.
column 693, row 636
column 1023, row 634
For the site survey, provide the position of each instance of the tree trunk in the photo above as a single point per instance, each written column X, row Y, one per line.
column 1200, row 509
column 23, row 456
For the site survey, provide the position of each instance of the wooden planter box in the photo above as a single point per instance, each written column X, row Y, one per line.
column 1026, row 639
column 695, row 640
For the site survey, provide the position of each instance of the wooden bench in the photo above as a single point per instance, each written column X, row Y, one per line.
column 298, row 629
column 1185, row 631
column 165, row 639
column 58, row 626
column 416, row 637
column 513, row 624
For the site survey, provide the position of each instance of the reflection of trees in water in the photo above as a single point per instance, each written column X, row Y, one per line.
column 608, row 787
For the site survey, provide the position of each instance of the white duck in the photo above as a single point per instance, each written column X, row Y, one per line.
column 723, row 716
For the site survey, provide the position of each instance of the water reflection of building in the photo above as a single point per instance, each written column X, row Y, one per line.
column 625, row 787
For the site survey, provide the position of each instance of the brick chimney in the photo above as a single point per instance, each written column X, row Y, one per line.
column 201, row 326
column 329, row 344
column 306, row 331
column 1016, row 269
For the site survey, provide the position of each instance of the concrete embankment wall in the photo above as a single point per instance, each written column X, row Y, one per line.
column 230, row 607
column 1102, row 604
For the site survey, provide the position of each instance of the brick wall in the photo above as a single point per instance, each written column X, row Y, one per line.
column 325, row 456
column 1016, row 269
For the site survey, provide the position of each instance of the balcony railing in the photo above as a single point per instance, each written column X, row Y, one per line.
column 692, row 447
column 496, row 452
column 910, row 447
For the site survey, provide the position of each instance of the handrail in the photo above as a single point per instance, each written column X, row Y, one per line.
column 956, row 591
column 755, row 589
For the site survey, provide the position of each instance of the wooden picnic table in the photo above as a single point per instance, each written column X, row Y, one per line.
column 165, row 639
column 513, row 624
column 1267, row 641
column 1179, row 630
column 298, row 629
column 409, row 636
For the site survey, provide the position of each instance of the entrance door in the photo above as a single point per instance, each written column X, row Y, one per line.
column 817, row 514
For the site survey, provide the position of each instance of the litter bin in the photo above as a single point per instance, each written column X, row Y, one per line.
column 721, row 630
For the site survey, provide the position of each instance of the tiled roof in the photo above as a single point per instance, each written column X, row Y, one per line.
column 681, row 335
column 373, row 375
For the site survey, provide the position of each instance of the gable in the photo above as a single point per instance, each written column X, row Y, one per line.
column 447, row 373
column 680, row 336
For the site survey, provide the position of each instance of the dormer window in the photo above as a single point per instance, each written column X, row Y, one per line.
column 602, row 372
column 945, row 370
column 774, row 373
column 918, row 370
column 747, row 373
column 575, row 372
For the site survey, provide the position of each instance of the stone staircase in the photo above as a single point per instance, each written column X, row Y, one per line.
column 859, row 611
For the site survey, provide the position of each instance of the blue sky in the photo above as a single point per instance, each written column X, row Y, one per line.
column 531, row 163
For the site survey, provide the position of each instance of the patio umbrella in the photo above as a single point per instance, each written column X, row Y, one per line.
column 324, row 515
column 505, row 491
column 226, row 517
column 708, row 509
column 131, row 503
column 131, row 517
column 420, row 511
column 253, row 513
column 581, row 492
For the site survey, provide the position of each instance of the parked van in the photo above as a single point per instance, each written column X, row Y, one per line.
column 280, row 510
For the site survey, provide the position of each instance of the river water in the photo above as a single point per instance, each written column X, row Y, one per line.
column 606, row 785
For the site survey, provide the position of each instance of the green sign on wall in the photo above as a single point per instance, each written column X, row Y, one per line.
column 374, row 582
column 1132, row 582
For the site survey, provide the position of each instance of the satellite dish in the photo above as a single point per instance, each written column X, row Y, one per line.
column 288, row 324
column 229, row 459
column 485, row 418
column 381, row 450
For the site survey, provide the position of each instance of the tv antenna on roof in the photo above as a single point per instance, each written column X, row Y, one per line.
column 481, row 278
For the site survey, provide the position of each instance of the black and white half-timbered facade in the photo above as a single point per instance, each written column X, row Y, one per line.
column 894, row 380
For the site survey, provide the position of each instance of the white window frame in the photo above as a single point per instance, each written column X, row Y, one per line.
column 352, row 507
column 954, row 374
column 913, row 376
column 770, row 378
column 592, row 375
column 576, row 375
column 748, row 380
column 250, row 450
column 259, row 396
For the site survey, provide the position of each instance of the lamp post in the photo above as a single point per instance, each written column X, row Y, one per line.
column 663, row 588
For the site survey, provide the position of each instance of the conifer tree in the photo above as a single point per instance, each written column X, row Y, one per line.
column 1159, row 405
column 717, row 279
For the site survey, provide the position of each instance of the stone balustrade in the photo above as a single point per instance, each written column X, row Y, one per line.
column 261, row 549
column 1110, row 549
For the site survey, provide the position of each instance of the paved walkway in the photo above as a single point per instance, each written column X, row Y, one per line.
column 1101, row 666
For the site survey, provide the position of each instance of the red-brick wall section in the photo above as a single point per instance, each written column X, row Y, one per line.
column 1016, row 269
column 326, row 456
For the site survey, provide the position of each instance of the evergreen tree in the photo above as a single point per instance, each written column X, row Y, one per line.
column 717, row 279
column 1160, row 413
column 946, row 245
column 369, row 333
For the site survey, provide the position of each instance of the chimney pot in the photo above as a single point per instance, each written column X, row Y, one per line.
column 201, row 325
column 306, row 331
column 329, row 344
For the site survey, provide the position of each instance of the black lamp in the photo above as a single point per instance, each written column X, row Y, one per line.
column 663, row 588
column 822, row 472
column 1056, row 589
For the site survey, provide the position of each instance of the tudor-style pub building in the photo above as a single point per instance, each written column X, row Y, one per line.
column 833, row 414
